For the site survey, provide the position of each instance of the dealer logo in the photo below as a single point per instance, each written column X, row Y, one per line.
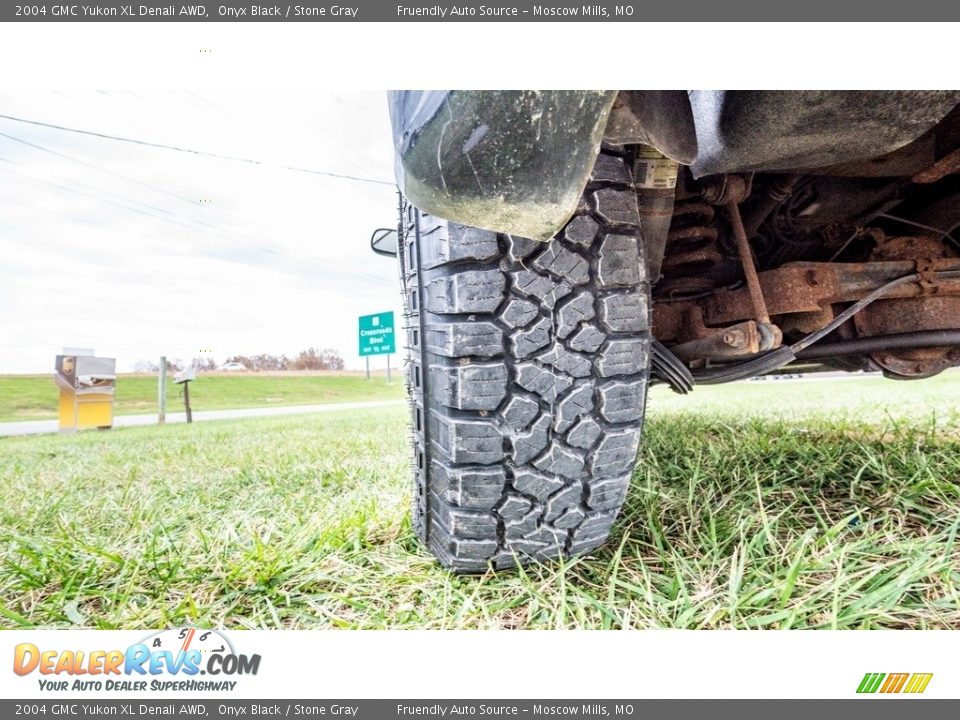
column 181, row 654
column 909, row 683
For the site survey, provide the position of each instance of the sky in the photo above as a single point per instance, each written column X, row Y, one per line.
column 140, row 252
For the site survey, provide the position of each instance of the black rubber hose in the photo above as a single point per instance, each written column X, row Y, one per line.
column 898, row 341
column 742, row 370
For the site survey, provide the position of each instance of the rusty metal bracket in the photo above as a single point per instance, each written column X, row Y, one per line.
column 800, row 295
column 726, row 189
column 736, row 341
column 928, row 280
column 807, row 287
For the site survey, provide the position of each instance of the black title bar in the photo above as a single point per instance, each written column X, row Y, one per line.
column 473, row 11
column 76, row 706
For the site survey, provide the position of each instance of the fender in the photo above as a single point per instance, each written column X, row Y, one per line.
column 510, row 161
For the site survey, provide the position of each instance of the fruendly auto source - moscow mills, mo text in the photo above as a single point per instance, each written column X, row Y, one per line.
column 543, row 11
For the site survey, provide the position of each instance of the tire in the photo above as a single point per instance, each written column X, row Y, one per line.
column 527, row 376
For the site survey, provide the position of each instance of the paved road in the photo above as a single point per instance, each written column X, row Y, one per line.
column 38, row 427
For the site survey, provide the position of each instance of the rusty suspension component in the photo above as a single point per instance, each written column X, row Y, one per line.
column 693, row 259
column 768, row 362
column 800, row 288
column 691, row 250
column 801, row 296
column 746, row 261
column 714, row 305
column 729, row 343
column 810, row 287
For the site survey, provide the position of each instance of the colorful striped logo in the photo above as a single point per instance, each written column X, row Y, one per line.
column 894, row 683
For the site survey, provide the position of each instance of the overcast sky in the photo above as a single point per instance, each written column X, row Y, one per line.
column 140, row 252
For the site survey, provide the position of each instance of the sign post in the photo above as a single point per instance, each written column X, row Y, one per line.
column 376, row 336
column 184, row 377
column 162, row 392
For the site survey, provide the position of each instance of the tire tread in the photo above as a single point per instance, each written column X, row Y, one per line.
column 527, row 375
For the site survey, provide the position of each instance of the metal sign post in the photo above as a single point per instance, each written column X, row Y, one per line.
column 377, row 337
column 186, row 401
column 162, row 392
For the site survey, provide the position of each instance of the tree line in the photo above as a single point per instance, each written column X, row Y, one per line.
column 309, row 359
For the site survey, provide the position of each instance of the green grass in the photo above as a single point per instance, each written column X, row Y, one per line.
column 776, row 518
column 34, row 397
column 867, row 398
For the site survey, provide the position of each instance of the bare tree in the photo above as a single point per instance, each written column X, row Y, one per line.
column 309, row 359
column 206, row 364
column 313, row 359
column 145, row 366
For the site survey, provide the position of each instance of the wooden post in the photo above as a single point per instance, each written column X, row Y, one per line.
column 162, row 392
column 186, row 401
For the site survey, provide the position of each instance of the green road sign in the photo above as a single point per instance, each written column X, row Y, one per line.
column 376, row 334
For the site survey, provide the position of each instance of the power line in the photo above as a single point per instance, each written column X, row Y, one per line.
column 191, row 151
column 173, row 217
column 161, row 190
column 127, row 178
column 46, row 211
column 109, row 202
column 151, row 211
column 212, row 229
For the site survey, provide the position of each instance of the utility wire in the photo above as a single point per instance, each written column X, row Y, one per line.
column 127, row 178
column 176, row 219
column 191, row 151
column 245, row 239
column 151, row 210
column 109, row 202
column 46, row 212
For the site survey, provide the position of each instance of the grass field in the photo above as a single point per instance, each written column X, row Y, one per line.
column 780, row 517
column 34, row 397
